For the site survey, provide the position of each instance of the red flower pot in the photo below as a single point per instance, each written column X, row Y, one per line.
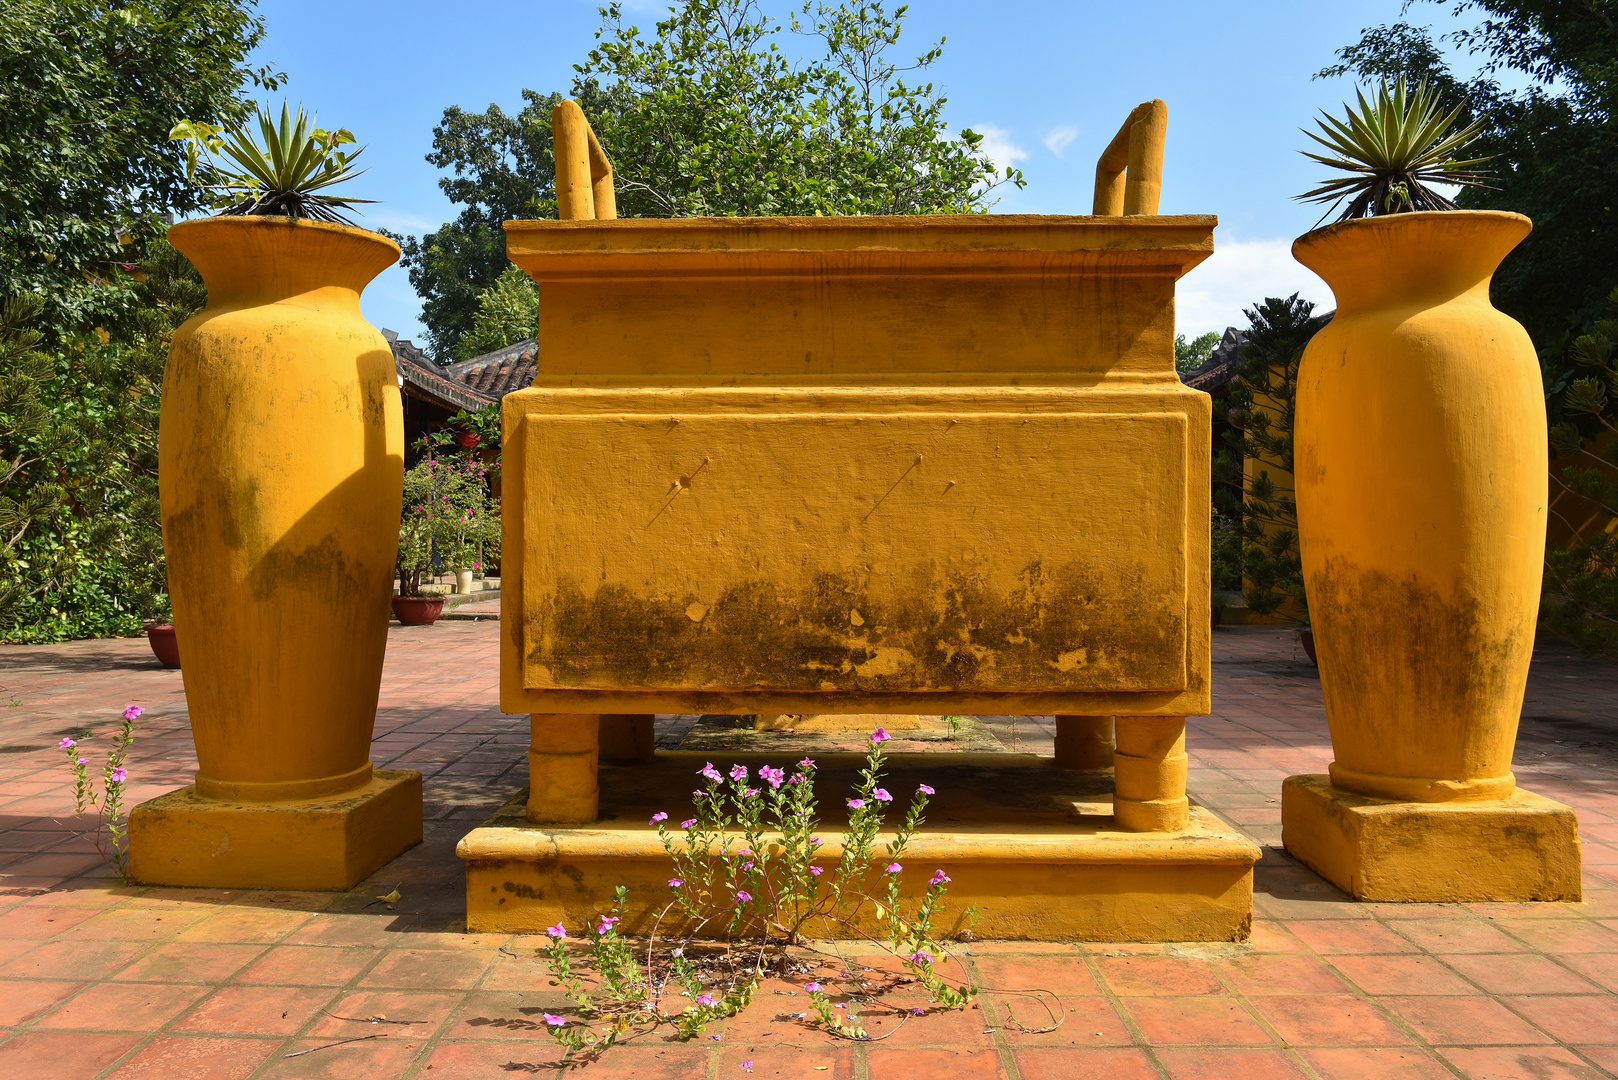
column 418, row 610
column 469, row 440
column 161, row 637
column 1308, row 637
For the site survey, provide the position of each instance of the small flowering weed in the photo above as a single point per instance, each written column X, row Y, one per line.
column 108, row 801
column 751, row 868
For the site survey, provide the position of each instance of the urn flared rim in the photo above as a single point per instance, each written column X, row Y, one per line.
column 1391, row 222
column 265, row 221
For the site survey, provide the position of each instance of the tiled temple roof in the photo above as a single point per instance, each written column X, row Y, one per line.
column 1218, row 368
column 500, row 372
column 421, row 378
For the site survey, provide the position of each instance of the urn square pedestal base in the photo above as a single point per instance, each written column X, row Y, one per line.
column 1522, row 848
column 328, row 843
column 1034, row 846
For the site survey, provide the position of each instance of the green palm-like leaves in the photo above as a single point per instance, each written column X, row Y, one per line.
column 1394, row 147
column 279, row 178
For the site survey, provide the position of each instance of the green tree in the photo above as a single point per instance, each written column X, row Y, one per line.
column 1255, row 467
column 1554, row 142
column 707, row 115
column 1190, row 355
column 78, row 483
column 499, row 168
column 507, row 312
column 88, row 92
column 1584, row 434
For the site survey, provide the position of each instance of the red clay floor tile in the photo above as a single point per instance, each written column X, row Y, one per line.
column 1119, row 1063
column 1268, row 976
column 196, row 1057
column 111, row 1006
column 1329, row 1020
column 1401, row 975
column 63, row 1055
column 23, row 999
column 893, row 1064
column 1583, row 1019
column 1376, row 1063
column 1464, row 1021
column 1521, row 1063
column 254, row 1010
column 183, row 962
column 1143, row 976
column 1196, row 1021
column 1524, row 973
column 1206, row 1064
column 1349, row 937
column 480, row 1060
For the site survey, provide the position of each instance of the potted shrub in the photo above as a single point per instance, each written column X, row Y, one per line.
column 449, row 520
column 1421, row 464
column 281, row 456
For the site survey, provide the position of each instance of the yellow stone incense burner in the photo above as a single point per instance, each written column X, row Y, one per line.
column 933, row 464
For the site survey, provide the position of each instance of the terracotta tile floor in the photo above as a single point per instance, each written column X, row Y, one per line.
column 98, row 980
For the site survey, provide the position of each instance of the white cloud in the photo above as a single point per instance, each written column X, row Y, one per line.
column 398, row 220
column 998, row 147
column 1240, row 274
column 1060, row 138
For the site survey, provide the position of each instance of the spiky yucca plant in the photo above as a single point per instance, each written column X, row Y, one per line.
column 279, row 178
column 1394, row 146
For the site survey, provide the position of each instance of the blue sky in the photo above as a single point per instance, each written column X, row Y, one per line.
column 1047, row 82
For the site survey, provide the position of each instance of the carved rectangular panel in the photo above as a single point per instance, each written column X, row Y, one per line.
column 890, row 552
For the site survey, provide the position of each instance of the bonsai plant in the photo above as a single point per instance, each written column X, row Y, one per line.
column 1421, row 464
column 279, row 179
column 1393, row 148
column 449, row 520
column 276, row 502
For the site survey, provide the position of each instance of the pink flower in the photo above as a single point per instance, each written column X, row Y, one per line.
column 659, row 816
column 894, row 868
column 710, row 772
column 67, row 744
column 607, row 922
column 132, row 712
column 918, row 1012
column 750, row 792
column 938, row 878
column 813, row 987
column 773, row 776
column 806, row 763
column 924, row 789
column 743, row 896
column 675, row 883
column 881, row 795
column 118, row 775
column 553, row 1020
column 748, row 865
column 558, row 931
column 880, row 736
column 815, row 870
column 746, row 1066
column 855, row 804
column 688, row 822
column 815, row 840
column 738, row 773
column 84, row 761
column 704, row 999
column 921, row 958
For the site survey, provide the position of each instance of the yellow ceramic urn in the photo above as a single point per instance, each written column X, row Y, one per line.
column 281, row 465
column 1421, row 484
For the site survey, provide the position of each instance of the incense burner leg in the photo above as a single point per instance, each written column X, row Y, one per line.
column 1150, row 769
column 628, row 737
column 562, row 760
column 1084, row 742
